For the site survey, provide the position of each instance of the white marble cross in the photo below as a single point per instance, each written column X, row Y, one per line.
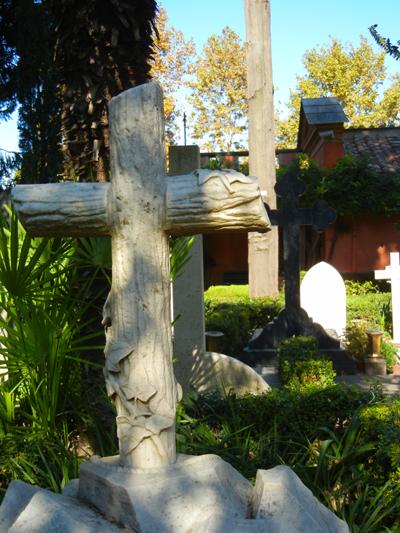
column 140, row 208
column 392, row 273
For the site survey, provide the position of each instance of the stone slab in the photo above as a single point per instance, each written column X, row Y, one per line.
column 280, row 494
column 17, row 497
column 217, row 371
column 47, row 512
column 188, row 287
column 172, row 499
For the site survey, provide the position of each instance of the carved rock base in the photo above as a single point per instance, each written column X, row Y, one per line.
column 172, row 499
column 201, row 494
column 29, row 509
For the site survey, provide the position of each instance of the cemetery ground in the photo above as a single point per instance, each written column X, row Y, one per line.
column 343, row 442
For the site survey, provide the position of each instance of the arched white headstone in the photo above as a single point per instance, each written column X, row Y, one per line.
column 323, row 297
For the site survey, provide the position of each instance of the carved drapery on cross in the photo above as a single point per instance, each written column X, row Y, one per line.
column 139, row 208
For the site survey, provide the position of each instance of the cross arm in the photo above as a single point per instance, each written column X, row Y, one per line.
column 202, row 202
column 208, row 201
column 63, row 209
column 320, row 215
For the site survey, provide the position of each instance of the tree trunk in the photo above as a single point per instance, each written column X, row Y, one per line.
column 263, row 249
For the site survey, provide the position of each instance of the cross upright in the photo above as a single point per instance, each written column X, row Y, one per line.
column 392, row 274
column 291, row 217
column 140, row 208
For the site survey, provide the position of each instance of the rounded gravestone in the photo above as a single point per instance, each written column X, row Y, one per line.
column 323, row 297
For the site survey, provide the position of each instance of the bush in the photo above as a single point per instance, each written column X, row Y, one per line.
column 296, row 348
column 300, row 363
column 357, row 343
column 230, row 310
column 375, row 309
column 359, row 288
column 389, row 353
column 381, row 423
column 315, row 431
column 356, row 338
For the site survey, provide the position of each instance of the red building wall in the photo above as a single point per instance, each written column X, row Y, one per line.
column 362, row 244
column 225, row 258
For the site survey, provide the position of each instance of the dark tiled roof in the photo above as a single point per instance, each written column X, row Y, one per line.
column 323, row 111
column 380, row 145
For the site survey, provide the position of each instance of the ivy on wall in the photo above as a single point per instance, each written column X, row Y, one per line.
column 352, row 186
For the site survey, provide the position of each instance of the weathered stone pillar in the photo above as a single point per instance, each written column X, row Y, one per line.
column 188, row 288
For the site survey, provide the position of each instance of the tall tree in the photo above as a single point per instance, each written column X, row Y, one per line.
column 63, row 60
column 27, row 79
column 171, row 62
column 219, row 93
column 355, row 76
column 102, row 48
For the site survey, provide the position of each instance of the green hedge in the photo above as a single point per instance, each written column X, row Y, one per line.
column 295, row 417
column 301, row 364
column 375, row 308
column 230, row 310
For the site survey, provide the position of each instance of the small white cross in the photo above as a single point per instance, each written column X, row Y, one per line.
column 392, row 273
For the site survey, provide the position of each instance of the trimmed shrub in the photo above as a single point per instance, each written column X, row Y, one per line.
column 359, row 288
column 301, row 364
column 301, row 347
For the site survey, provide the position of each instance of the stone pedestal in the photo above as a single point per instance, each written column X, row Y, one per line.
column 170, row 500
column 375, row 366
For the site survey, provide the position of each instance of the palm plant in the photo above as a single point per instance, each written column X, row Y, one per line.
column 338, row 471
column 42, row 342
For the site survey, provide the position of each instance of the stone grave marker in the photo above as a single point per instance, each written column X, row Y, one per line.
column 293, row 320
column 146, row 488
column 323, row 297
column 392, row 274
column 140, row 208
column 291, row 217
column 188, row 288
column 194, row 367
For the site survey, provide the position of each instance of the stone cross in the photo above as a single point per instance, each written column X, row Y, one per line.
column 392, row 273
column 291, row 217
column 140, row 208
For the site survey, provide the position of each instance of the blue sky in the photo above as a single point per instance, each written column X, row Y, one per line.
column 296, row 26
